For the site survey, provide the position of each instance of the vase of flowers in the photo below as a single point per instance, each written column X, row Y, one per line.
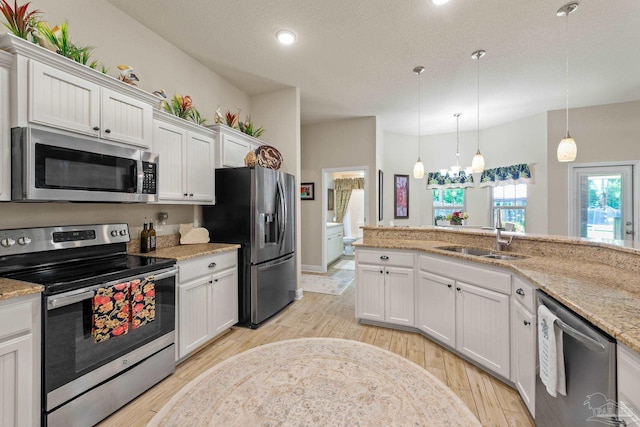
column 457, row 217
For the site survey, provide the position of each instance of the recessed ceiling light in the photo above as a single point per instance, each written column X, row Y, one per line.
column 286, row 36
column 439, row 2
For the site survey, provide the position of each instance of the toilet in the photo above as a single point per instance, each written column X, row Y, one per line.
column 348, row 244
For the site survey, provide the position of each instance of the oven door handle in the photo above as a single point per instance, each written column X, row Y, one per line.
column 53, row 303
column 164, row 274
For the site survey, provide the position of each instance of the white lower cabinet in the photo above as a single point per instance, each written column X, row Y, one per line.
column 628, row 384
column 472, row 317
column 20, row 361
column 335, row 235
column 523, row 341
column 207, row 304
column 385, row 291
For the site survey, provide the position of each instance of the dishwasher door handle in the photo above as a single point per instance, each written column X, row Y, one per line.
column 584, row 339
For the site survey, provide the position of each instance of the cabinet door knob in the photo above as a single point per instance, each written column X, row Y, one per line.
column 449, row 286
column 185, row 194
column 215, row 280
column 96, row 128
column 526, row 323
column 210, row 281
column 212, row 265
column 458, row 289
column 191, row 195
column 107, row 131
column 387, row 272
column 381, row 271
column 520, row 291
column 384, row 257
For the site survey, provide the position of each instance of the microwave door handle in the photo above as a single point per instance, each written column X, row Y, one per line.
column 140, row 176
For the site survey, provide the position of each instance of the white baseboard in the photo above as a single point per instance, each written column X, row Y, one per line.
column 312, row 268
column 299, row 294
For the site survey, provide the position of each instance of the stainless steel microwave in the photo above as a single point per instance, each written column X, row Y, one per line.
column 50, row 166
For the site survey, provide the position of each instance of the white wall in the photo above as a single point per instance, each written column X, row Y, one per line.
column 118, row 39
column 602, row 133
column 522, row 141
column 341, row 143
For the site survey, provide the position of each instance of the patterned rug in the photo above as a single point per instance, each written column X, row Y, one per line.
column 334, row 285
column 346, row 264
column 315, row 382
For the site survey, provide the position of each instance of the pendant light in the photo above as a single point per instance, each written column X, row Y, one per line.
column 418, row 168
column 477, row 164
column 567, row 149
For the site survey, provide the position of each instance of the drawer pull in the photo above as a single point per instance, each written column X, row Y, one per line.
column 96, row 128
column 526, row 323
column 520, row 291
column 212, row 265
column 449, row 286
column 384, row 257
column 107, row 131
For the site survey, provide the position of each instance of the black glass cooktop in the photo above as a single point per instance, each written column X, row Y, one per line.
column 80, row 273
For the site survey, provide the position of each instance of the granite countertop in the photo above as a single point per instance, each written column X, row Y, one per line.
column 10, row 288
column 607, row 296
column 184, row 252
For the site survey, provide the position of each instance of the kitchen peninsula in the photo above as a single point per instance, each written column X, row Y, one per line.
column 451, row 286
column 599, row 281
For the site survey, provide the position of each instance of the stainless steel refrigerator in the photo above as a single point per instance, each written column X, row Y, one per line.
column 255, row 208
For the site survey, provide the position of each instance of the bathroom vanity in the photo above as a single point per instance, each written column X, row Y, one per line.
column 335, row 234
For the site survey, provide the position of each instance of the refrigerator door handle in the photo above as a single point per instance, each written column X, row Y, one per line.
column 283, row 214
column 271, row 264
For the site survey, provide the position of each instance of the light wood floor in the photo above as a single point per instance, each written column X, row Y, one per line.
column 320, row 315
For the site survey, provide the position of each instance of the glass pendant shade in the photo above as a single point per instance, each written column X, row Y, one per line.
column 418, row 169
column 567, row 149
column 477, row 164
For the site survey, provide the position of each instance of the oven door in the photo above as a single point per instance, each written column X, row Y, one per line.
column 51, row 166
column 73, row 363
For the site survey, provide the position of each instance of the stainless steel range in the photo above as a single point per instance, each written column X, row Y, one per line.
column 92, row 366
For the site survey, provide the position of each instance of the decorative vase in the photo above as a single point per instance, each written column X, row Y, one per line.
column 454, row 222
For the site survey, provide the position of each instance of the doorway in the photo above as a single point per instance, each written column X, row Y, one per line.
column 604, row 201
column 357, row 213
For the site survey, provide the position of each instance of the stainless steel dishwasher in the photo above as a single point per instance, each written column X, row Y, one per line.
column 590, row 366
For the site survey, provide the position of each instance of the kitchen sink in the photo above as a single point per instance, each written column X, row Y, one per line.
column 483, row 253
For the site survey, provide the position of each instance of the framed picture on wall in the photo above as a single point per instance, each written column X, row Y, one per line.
column 307, row 191
column 401, row 196
column 380, row 193
column 330, row 199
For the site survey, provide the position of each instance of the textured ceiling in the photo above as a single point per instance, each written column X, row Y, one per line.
column 354, row 58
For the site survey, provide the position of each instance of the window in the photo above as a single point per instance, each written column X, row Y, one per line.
column 447, row 201
column 514, row 196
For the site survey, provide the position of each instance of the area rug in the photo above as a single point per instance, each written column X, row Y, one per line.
column 346, row 264
column 315, row 382
column 334, row 285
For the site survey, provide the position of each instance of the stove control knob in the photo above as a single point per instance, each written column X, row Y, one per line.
column 114, row 233
column 7, row 242
column 24, row 240
column 123, row 232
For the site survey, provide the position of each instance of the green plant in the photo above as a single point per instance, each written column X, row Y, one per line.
column 20, row 21
column 179, row 105
column 247, row 127
column 196, row 117
column 58, row 38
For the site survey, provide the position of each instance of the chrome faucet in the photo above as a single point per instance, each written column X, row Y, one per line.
column 500, row 242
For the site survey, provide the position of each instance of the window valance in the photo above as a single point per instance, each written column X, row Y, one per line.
column 343, row 184
column 435, row 180
column 514, row 174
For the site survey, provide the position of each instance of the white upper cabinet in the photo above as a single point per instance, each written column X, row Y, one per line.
column 59, row 99
column 186, row 160
column 50, row 90
column 125, row 119
column 232, row 146
column 5, row 129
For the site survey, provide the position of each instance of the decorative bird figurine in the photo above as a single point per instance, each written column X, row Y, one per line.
column 163, row 96
column 126, row 75
column 218, row 117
